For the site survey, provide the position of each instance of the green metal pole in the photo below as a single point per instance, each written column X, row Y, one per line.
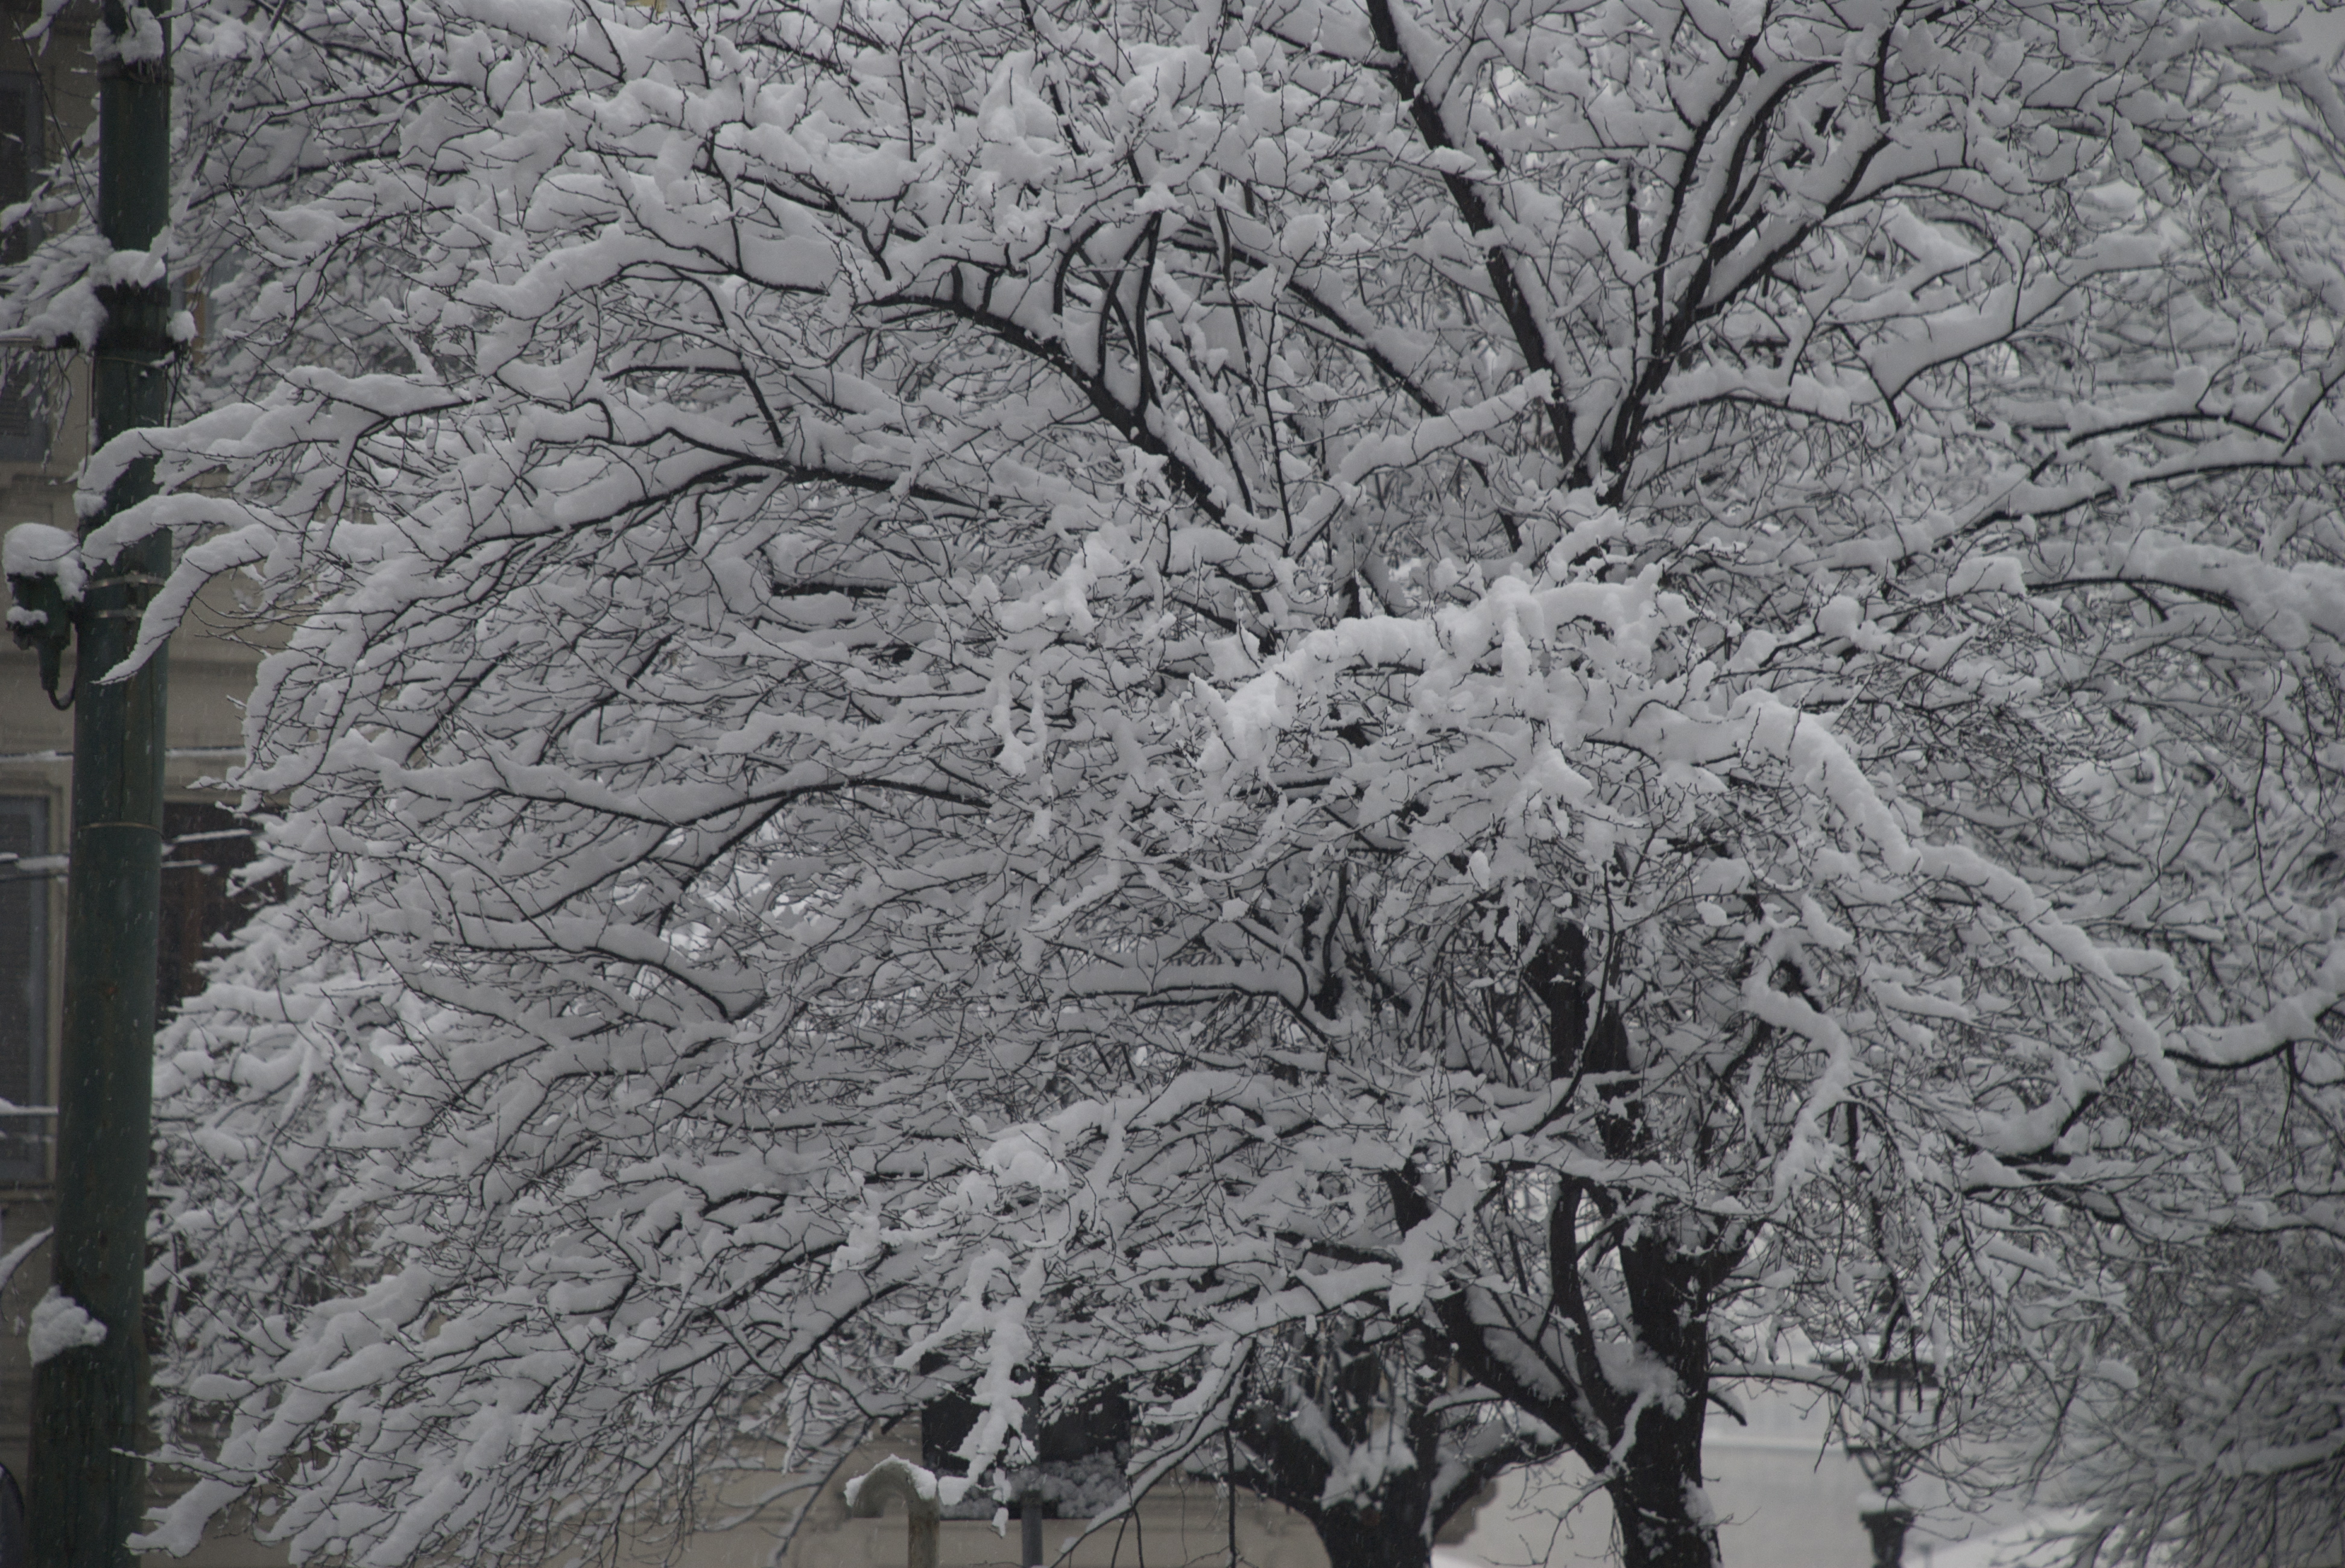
column 89, row 1480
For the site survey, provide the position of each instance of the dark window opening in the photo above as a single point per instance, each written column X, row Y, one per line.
column 203, row 845
column 1083, row 1454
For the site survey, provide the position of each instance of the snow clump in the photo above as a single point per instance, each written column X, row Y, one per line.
column 59, row 1325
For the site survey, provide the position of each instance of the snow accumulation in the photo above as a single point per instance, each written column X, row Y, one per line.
column 37, row 550
column 2035, row 1542
column 901, row 1472
column 59, row 1325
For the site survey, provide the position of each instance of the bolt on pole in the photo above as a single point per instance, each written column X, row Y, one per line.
column 87, row 1485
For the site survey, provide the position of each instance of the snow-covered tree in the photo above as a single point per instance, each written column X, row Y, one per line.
column 2208, row 1423
column 2222, row 1443
column 1440, row 712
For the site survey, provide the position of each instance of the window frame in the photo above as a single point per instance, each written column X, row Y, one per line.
column 23, row 1144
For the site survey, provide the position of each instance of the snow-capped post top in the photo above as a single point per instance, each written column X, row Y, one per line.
column 140, row 41
column 868, row 1495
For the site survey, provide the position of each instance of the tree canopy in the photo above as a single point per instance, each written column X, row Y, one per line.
column 1417, row 727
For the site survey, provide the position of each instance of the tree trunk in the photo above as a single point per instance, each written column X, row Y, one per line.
column 1365, row 1541
column 1664, row 1522
column 1665, row 1519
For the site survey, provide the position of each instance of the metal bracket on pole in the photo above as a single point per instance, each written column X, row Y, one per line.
column 43, row 622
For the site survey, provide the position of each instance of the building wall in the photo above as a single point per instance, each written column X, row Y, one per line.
column 1175, row 1525
column 1785, row 1492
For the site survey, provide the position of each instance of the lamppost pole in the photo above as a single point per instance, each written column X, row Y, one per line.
column 87, row 1485
column 1887, row 1442
column 1887, row 1525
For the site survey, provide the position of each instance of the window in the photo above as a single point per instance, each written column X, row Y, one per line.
column 23, row 984
column 23, row 431
column 202, row 844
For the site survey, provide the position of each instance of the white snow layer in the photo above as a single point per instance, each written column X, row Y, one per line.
column 59, row 1325
column 901, row 1472
column 37, row 550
